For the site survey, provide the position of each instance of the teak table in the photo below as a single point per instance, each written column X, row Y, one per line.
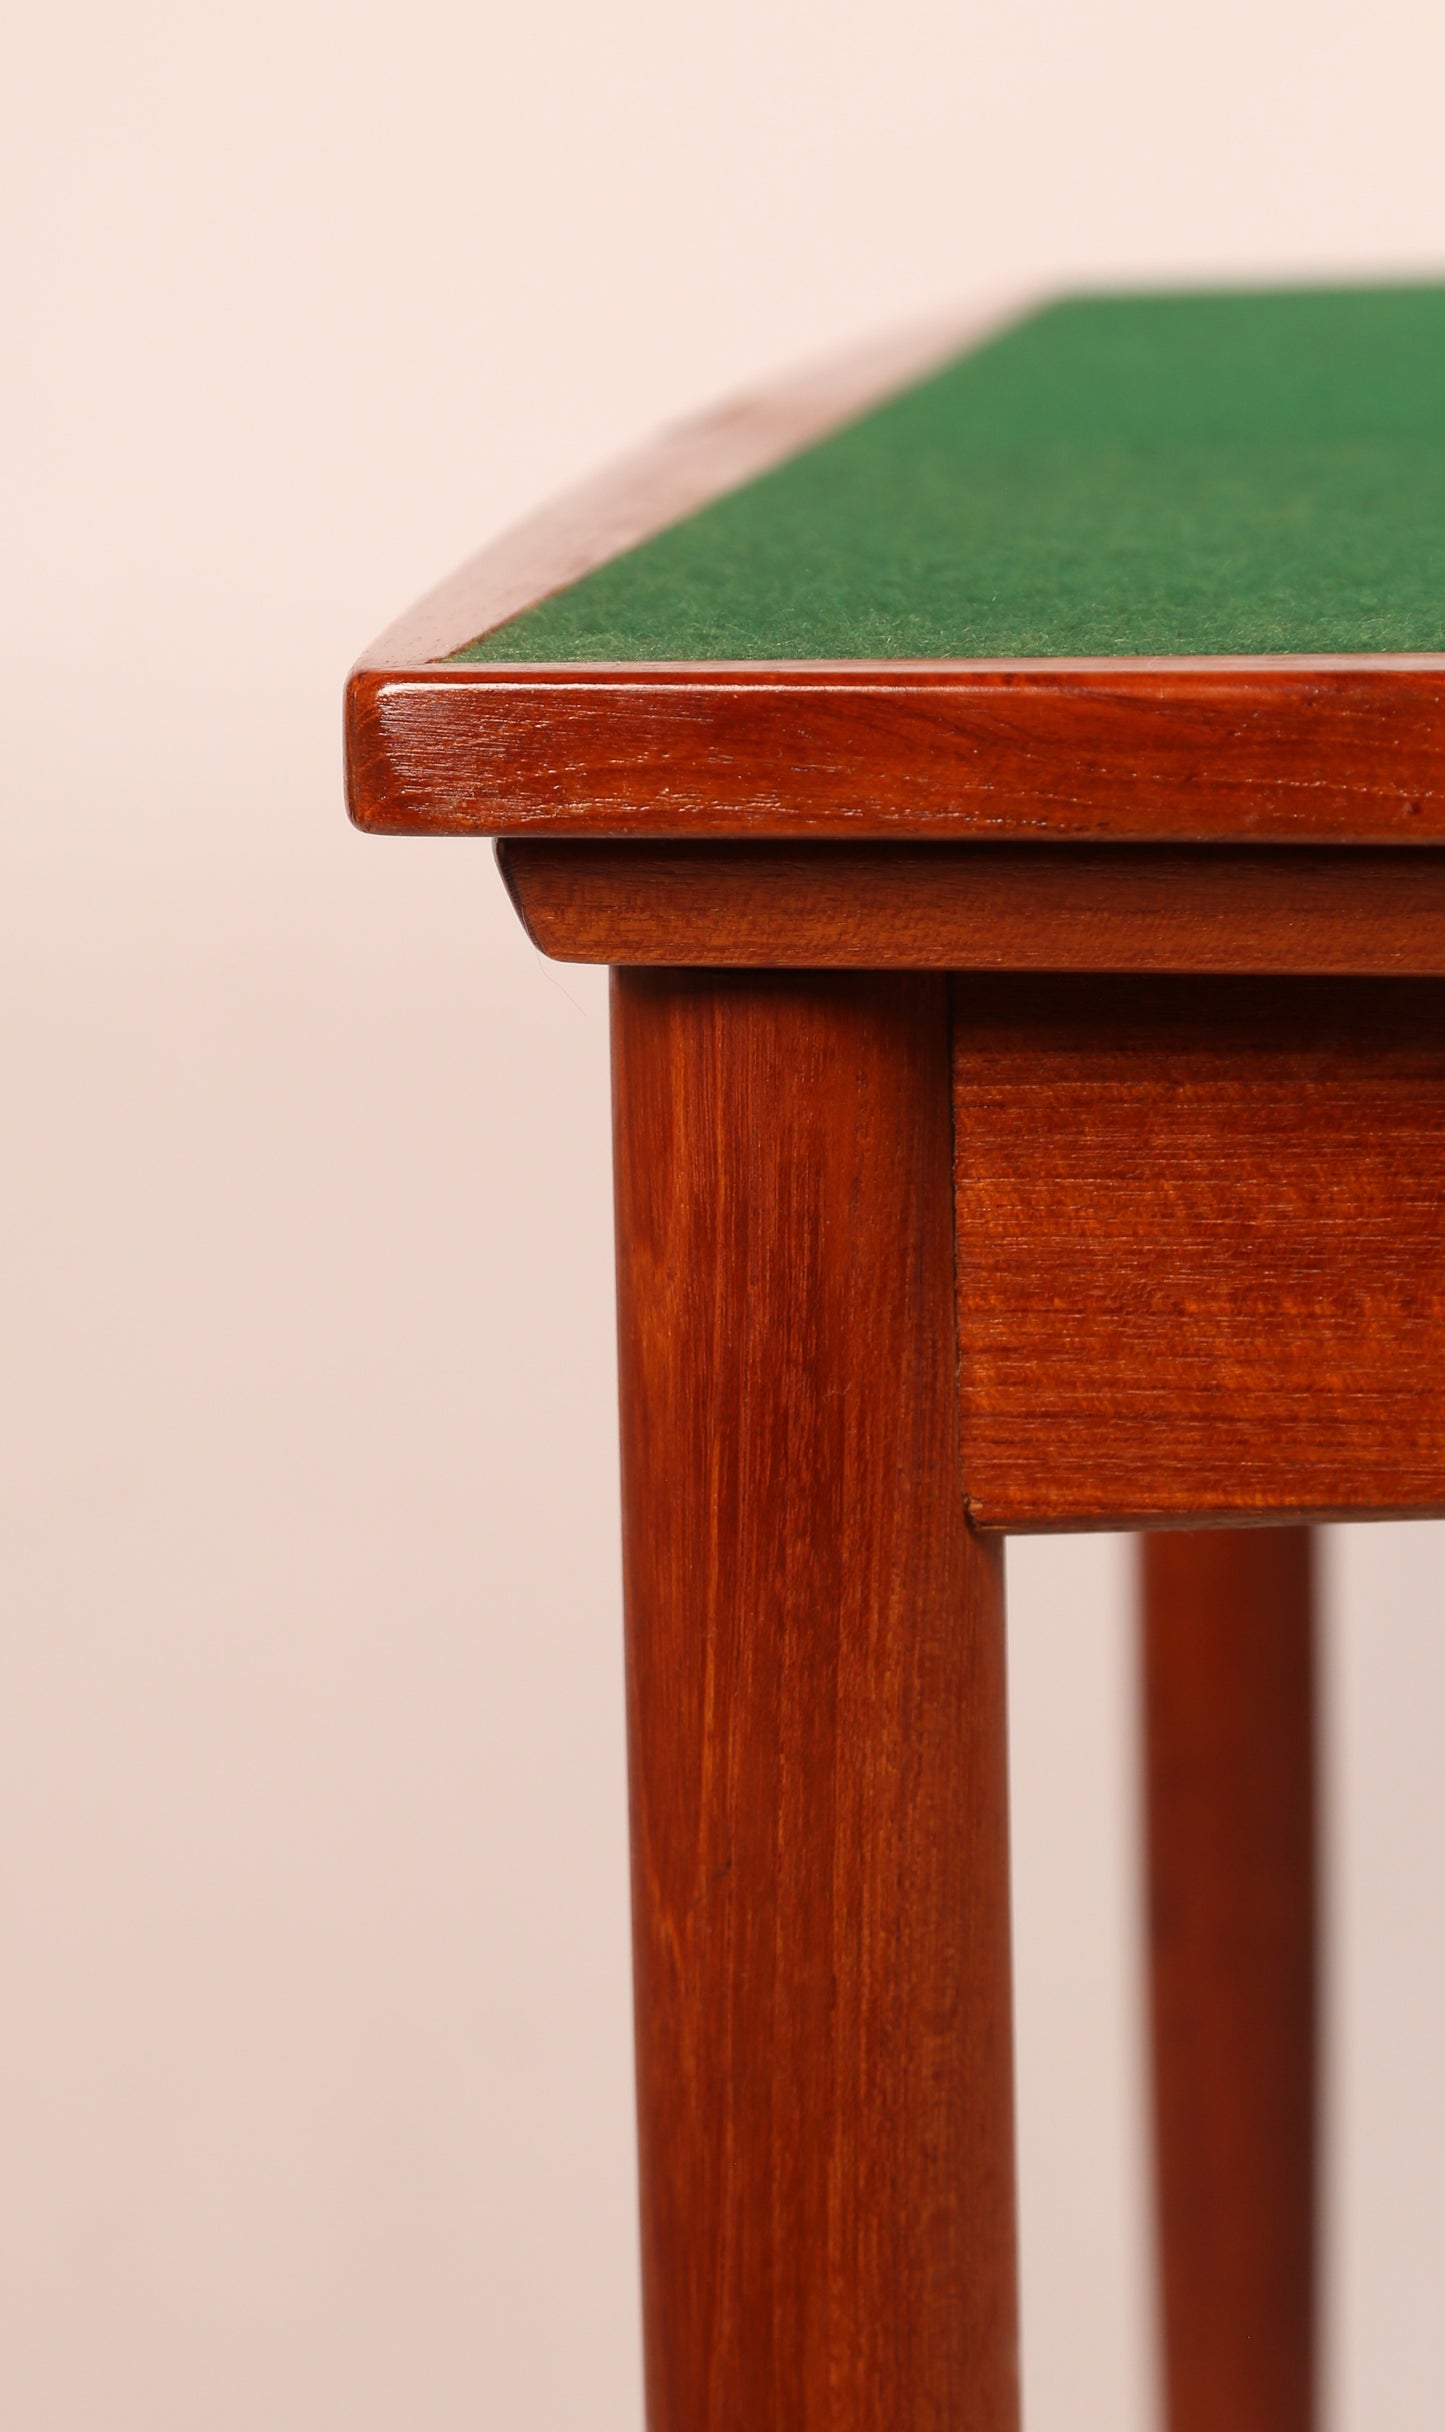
column 1008, row 777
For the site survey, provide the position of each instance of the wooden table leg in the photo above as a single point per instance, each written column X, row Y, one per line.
column 1229, row 1673
column 816, row 1718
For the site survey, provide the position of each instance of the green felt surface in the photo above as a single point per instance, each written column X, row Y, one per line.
column 1202, row 473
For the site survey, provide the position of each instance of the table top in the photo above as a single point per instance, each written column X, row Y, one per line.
column 1112, row 475
column 1125, row 567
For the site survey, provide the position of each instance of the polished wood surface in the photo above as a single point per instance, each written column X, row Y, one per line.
column 816, row 1712
column 1277, row 751
column 981, row 907
column 1229, row 1708
column 1199, row 1227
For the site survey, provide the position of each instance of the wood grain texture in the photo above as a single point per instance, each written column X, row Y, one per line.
column 816, row 1713
column 1199, row 1228
column 982, row 907
column 1230, row 1735
column 672, row 475
column 1282, row 751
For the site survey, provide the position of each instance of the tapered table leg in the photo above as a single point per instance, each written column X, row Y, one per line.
column 816, row 1719
column 1229, row 1692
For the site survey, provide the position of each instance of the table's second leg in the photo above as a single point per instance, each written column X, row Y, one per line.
column 816, row 1720
column 1229, row 1690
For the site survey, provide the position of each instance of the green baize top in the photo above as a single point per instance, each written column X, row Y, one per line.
column 1206, row 473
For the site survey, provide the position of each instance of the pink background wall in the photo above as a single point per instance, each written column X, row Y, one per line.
column 314, row 2061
